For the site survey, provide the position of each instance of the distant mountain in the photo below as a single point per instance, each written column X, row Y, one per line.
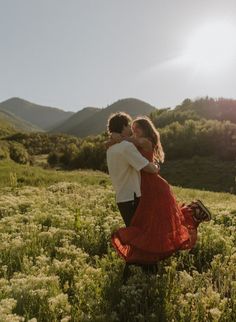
column 10, row 123
column 71, row 124
column 96, row 122
column 43, row 117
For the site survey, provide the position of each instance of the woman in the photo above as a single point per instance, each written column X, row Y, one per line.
column 160, row 226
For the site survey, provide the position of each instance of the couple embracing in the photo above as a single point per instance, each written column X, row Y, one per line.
column 156, row 225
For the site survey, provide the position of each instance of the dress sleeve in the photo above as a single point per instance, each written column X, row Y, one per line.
column 134, row 157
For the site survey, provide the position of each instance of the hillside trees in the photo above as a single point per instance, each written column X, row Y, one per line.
column 184, row 134
column 179, row 140
column 203, row 108
column 202, row 138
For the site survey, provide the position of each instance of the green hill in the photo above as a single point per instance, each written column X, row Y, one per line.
column 96, row 123
column 74, row 121
column 5, row 126
column 9, row 123
column 41, row 116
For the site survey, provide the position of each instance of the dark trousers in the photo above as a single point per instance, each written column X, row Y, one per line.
column 127, row 210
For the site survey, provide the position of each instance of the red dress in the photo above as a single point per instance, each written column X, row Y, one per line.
column 159, row 227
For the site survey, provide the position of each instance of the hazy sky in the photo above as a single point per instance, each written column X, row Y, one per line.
column 77, row 53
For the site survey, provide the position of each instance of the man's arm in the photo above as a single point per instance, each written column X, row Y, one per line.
column 151, row 168
column 137, row 161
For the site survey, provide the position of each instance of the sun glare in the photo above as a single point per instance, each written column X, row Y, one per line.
column 211, row 48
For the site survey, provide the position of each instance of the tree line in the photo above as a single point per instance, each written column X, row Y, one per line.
column 180, row 141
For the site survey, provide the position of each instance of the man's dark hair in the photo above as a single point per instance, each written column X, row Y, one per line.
column 117, row 121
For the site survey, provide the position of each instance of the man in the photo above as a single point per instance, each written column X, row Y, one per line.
column 124, row 163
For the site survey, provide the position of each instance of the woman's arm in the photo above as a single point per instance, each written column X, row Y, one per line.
column 114, row 138
column 140, row 142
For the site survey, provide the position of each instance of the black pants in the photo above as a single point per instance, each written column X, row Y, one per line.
column 127, row 210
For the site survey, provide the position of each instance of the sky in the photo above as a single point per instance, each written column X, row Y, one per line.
column 76, row 53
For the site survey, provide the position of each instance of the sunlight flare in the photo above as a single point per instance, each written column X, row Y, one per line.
column 211, row 48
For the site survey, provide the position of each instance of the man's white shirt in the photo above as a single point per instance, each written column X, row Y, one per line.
column 124, row 162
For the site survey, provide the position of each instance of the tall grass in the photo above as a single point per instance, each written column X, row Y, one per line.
column 57, row 262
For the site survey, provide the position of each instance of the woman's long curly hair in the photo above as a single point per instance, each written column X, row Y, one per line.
column 151, row 133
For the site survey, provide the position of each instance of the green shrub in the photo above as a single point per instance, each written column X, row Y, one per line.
column 18, row 153
column 4, row 150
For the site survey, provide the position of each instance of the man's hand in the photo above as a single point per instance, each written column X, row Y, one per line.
column 157, row 164
column 151, row 168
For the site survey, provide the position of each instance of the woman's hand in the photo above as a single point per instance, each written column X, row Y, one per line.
column 114, row 138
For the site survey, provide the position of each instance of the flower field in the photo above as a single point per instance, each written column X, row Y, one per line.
column 57, row 262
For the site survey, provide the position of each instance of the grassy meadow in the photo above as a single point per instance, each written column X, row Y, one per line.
column 204, row 173
column 57, row 262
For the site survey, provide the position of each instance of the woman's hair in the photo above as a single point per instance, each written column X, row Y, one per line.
column 151, row 133
column 117, row 121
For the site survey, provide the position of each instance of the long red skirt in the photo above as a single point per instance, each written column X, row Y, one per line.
column 159, row 227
